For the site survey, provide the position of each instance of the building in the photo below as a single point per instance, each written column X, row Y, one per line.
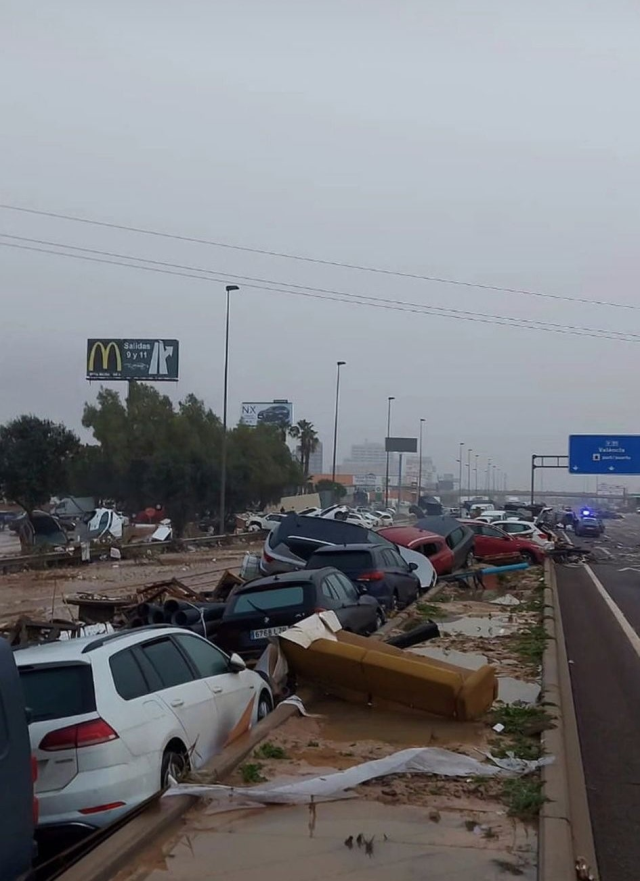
column 366, row 458
column 411, row 470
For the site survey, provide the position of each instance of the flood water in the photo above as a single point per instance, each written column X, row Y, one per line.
column 320, row 841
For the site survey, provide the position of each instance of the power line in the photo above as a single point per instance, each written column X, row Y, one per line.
column 353, row 299
column 316, row 260
column 450, row 311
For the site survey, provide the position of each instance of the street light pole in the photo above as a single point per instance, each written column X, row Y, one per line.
column 476, row 473
column 469, row 451
column 488, row 476
column 422, row 421
column 386, row 479
column 460, row 478
column 339, row 364
column 223, row 464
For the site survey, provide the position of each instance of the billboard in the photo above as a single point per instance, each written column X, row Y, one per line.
column 267, row 413
column 401, row 444
column 151, row 360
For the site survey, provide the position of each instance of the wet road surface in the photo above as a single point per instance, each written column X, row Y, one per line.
column 605, row 674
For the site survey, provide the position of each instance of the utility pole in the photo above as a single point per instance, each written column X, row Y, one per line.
column 460, row 477
column 386, row 479
column 223, row 464
column 339, row 364
column 476, row 473
column 469, row 451
column 422, row 421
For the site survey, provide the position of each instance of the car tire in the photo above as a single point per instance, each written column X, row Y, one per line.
column 175, row 763
column 381, row 619
column 265, row 705
column 529, row 557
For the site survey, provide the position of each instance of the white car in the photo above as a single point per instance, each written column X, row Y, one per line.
column 384, row 517
column 524, row 529
column 492, row 516
column 113, row 716
column 258, row 522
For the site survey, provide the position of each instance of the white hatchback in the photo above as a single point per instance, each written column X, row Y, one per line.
column 113, row 716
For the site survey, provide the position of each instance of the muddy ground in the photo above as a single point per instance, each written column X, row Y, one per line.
column 41, row 594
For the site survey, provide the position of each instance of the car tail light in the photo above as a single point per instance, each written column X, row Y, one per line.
column 34, row 777
column 376, row 575
column 267, row 557
column 98, row 808
column 85, row 734
column 319, row 609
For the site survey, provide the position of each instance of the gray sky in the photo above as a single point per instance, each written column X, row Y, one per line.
column 494, row 143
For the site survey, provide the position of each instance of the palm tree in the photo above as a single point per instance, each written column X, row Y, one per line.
column 305, row 433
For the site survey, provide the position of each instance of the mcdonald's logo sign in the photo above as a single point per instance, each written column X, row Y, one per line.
column 102, row 351
column 150, row 360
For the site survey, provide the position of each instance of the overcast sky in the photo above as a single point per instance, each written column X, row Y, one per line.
column 494, row 143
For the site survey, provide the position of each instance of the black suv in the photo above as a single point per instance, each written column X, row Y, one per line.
column 376, row 569
column 267, row 606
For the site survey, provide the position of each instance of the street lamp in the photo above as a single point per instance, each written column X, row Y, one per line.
column 476, row 473
column 469, row 451
column 460, row 478
column 386, row 479
column 488, row 476
column 339, row 364
column 422, row 422
column 223, row 466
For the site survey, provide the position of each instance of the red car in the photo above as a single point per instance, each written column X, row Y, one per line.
column 494, row 545
column 433, row 546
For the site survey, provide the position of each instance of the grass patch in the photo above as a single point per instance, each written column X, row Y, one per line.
column 521, row 747
column 529, row 645
column 250, row 772
column 270, row 751
column 523, row 797
column 429, row 611
column 521, row 719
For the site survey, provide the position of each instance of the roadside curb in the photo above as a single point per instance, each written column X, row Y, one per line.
column 107, row 858
column 565, row 826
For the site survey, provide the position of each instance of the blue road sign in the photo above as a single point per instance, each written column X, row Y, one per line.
column 604, row 453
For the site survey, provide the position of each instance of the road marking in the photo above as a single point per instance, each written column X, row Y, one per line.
column 629, row 569
column 628, row 630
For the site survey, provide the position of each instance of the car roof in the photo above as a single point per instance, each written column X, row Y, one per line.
column 441, row 524
column 403, row 535
column 80, row 649
column 300, row 575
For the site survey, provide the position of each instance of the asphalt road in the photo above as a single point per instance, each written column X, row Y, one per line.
column 605, row 676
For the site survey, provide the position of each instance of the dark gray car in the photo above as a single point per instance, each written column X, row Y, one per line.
column 459, row 538
column 16, row 776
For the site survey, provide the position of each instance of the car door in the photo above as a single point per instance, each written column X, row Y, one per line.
column 188, row 697
column 352, row 613
column 234, row 693
column 404, row 581
column 495, row 544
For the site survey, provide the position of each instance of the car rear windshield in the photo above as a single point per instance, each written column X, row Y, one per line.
column 346, row 561
column 267, row 600
column 56, row 692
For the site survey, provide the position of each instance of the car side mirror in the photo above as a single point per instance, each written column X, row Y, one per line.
column 236, row 664
column 413, row 566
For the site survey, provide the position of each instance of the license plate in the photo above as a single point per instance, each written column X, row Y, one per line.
column 268, row 631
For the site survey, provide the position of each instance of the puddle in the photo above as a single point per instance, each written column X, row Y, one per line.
column 470, row 660
column 322, row 841
column 511, row 690
column 497, row 625
column 344, row 722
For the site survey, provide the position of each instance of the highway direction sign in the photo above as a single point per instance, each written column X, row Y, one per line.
column 604, row 454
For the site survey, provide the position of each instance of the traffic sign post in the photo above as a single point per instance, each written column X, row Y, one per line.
column 604, row 454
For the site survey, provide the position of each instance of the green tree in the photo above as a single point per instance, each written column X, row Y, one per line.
column 338, row 490
column 307, row 437
column 35, row 455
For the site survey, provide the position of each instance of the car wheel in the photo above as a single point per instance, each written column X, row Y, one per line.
column 265, row 705
column 253, row 527
column 530, row 557
column 381, row 619
column 175, row 764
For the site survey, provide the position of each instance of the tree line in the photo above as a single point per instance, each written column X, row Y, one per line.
column 145, row 450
